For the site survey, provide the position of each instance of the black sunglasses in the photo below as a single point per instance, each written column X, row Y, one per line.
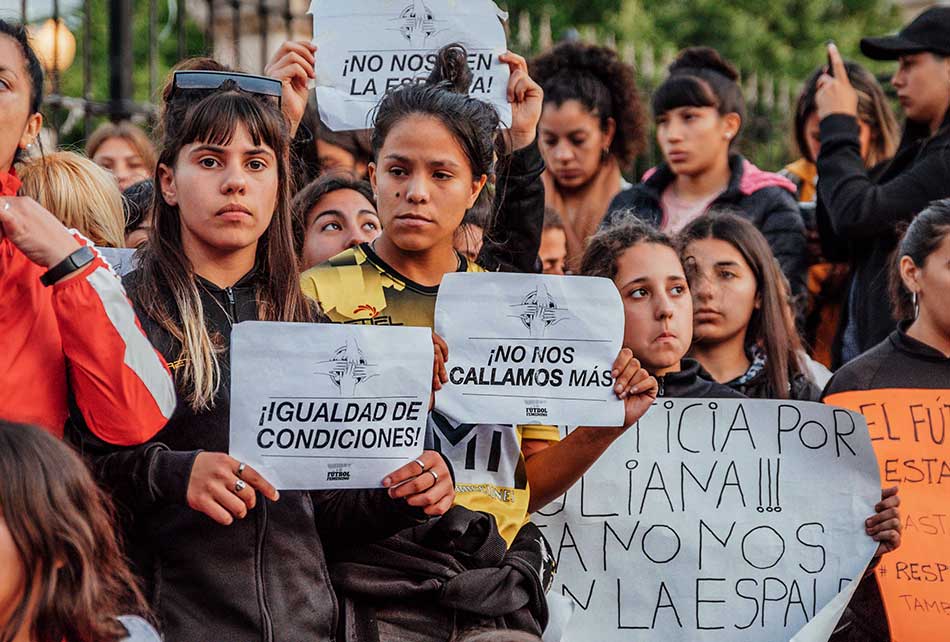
column 210, row 80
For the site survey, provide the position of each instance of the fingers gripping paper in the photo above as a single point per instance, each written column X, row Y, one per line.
column 367, row 47
column 530, row 348
column 718, row 520
column 909, row 431
column 328, row 406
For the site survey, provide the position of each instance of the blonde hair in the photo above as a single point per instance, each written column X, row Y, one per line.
column 128, row 132
column 79, row 193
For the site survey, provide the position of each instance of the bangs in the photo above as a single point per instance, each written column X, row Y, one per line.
column 214, row 119
column 682, row 91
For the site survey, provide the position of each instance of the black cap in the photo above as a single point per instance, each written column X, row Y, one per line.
column 930, row 31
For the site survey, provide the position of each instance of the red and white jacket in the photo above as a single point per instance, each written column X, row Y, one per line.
column 80, row 336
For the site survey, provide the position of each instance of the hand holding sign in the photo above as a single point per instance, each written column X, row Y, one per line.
column 526, row 98
column 216, row 489
column 634, row 385
column 835, row 94
column 425, row 483
column 293, row 65
column 885, row 525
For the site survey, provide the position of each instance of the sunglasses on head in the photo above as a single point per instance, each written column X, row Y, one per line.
column 211, row 80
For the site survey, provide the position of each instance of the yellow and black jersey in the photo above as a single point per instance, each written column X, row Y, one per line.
column 356, row 286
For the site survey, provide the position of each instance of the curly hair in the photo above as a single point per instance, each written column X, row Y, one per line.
column 606, row 246
column 605, row 85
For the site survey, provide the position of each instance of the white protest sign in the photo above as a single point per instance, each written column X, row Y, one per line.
column 718, row 520
column 367, row 47
column 530, row 348
column 319, row 405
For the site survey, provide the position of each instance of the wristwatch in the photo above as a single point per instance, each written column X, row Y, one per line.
column 80, row 258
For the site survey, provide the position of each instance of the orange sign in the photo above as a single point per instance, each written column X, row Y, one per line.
column 909, row 430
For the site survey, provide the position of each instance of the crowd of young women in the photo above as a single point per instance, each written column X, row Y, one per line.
column 709, row 255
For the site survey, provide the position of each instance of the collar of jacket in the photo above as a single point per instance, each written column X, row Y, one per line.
column 658, row 179
column 919, row 133
column 911, row 346
column 248, row 280
column 679, row 384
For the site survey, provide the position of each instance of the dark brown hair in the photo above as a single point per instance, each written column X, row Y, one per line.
column 606, row 246
column 307, row 198
column 873, row 109
column 701, row 77
column 601, row 82
column 770, row 326
column 164, row 266
column 63, row 529
column 921, row 239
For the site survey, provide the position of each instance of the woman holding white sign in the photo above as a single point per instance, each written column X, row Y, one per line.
column 222, row 557
column 434, row 153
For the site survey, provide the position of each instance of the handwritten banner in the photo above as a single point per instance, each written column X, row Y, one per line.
column 718, row 520
column 318, row 405
column 367, row 47
column 530, row 348
column 909, row 431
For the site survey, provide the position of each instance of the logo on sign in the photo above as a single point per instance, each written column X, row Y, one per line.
column 338, row 475
column 417, row 23
column 538, row 311
column 347, row 368
column 536, row 412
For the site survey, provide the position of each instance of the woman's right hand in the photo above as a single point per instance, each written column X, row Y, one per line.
column 212, row 487
column 35, row 231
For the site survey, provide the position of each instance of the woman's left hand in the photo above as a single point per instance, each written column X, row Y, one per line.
column 634, row 385
column 293, row 65
column 425, row 483
column 526, row 98
column 884, row 525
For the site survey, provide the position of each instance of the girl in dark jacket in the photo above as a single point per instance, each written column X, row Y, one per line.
column 859, row 210
column 916, row 355
column 699, row 111
column 742, row 334
column 658, row 311
column 221, row 556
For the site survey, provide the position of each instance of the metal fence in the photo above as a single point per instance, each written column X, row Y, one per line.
column 127, row 40
column 124, row 49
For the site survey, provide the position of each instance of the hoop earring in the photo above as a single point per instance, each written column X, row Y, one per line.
column 913, row 298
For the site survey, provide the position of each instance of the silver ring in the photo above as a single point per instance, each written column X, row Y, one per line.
column 240, row 470
column 239, row 485
column 421, row 465
column 435, row 476
column 6, row 205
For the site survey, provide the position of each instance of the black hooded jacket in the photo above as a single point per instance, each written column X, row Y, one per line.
column 693, row 381
column 859, row 213
column 769, row 206
column 262, row 578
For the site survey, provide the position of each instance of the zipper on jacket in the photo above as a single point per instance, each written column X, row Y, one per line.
column 268, row 624
column 661, row 389
column 232, row 305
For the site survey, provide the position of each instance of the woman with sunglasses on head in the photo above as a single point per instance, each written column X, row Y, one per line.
column 221, row 555
column 742, row 333
column 434, row 153
column 699, row 111
column 68, row 331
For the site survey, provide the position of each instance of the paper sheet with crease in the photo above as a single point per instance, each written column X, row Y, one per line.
column 366, row 47
column 718, row 520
